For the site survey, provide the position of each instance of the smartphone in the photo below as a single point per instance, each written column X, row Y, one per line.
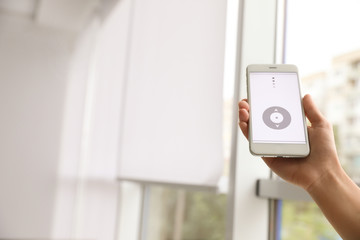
column 277, row 124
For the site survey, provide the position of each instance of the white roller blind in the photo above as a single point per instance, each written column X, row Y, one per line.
column 172, row 116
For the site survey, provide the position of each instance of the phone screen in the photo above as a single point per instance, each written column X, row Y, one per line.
column 276, row 110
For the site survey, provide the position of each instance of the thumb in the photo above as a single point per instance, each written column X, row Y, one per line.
column 311, row 111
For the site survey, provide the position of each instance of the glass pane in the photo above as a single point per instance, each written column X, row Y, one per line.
column 322, row 41
column 191, row 215
column 304, row 220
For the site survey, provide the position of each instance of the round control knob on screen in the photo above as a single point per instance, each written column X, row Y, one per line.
column 276, row 117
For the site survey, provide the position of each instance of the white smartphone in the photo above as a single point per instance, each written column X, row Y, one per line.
column 277, row 124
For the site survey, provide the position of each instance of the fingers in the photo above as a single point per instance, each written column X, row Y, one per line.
column 312, row 112
column 244, row 128
column 244, row 117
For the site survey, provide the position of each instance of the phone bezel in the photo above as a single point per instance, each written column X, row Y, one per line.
column 276, row 149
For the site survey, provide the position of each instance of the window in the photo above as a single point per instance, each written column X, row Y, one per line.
column 304, row 220
column 179, row 214
column 326, row 50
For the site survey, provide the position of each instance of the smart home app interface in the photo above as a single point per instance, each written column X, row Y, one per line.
column 276, row 113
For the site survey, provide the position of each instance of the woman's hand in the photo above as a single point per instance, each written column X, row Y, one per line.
column 322, row 158
column 320, row 173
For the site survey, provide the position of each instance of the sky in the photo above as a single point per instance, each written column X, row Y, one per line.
column 318, row 30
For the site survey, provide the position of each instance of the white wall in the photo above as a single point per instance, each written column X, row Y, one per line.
column 60, row 96
column 57, row 157
column 97, row 202
column 34, row 65
column 72, row 133
column 44, row 73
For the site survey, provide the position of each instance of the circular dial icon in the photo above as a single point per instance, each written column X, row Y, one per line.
column 276, row 117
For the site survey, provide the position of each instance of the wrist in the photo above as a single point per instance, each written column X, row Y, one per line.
column 338, row 198
column 334, row 175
